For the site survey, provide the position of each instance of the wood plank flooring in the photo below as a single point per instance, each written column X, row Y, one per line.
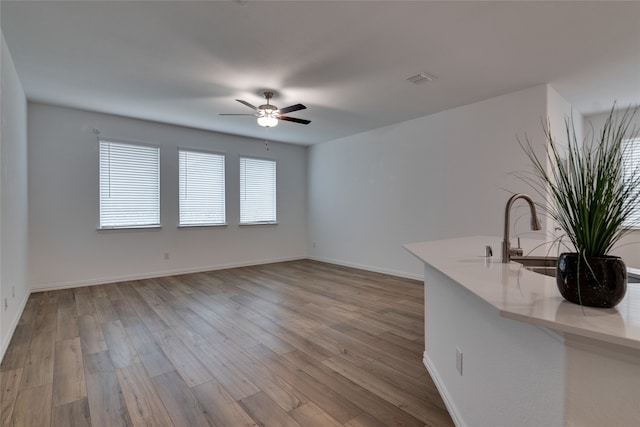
column 300, row 343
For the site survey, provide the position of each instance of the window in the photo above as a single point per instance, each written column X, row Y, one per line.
column 257, row 191
column 129, row 185
column 201, row 188
column 631, row 166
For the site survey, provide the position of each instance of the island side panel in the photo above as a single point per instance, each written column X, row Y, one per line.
column 602, row 383
column 512, row 372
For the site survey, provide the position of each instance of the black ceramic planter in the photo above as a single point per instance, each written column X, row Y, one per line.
column 594, row 281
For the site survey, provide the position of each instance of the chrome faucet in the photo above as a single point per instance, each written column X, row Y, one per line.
column 507, row 252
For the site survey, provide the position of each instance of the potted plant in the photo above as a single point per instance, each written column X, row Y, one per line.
column 592, row 195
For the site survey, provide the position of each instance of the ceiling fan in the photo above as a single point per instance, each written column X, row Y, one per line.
column 268, row 115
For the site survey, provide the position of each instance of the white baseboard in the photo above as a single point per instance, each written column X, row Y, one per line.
column 446, row 397
column 370, row 268
column 163, row 273
column 14, row 325
column 126, row 278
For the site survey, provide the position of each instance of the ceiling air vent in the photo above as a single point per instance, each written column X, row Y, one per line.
column 421, row 78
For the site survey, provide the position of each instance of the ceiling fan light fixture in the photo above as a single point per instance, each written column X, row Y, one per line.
column 267, row 121
column 269, row 115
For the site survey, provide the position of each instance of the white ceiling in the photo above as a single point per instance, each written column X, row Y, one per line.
column 185, row 62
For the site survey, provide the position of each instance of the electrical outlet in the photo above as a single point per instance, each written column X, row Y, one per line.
column 6, row 304
column 459, row 361
column 313, row 244
column 166, row 255
column 13, row 292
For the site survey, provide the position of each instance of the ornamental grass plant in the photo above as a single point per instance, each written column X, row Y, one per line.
column 594, row 196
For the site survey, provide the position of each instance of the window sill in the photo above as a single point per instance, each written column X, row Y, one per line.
column 130, row 228
column 248, row 224
column 201, row 225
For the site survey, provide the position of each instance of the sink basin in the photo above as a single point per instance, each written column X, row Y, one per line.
column 536, row 261
column 538, row 264
column 547, row 271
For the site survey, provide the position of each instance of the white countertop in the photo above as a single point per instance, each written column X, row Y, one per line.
column 526, row 296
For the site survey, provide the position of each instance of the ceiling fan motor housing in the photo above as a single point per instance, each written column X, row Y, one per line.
column 268, row 109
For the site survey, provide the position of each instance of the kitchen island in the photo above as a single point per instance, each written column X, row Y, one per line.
column 505, row 349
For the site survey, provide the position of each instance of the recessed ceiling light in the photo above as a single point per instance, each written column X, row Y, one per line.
column 421, row 78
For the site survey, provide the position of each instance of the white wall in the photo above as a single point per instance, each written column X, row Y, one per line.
column 13, row 198
column 65, row 248
column 629, row 247
column 440, row 176
column 558, row 111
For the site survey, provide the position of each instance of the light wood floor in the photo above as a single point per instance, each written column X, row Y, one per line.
column 291, row 344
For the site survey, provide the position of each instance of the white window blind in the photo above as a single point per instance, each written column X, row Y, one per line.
column 631, row 165
column 257, row 191
column 201, row 188
column 129, row 185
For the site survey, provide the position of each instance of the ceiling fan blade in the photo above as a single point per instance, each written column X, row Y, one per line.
column 294, row 120
column 292, row 108
column 223, row 114
column 253, row 107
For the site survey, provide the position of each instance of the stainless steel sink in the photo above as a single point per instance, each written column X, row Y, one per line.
column 536, row 261
column 538, row 264
column 547, row 271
